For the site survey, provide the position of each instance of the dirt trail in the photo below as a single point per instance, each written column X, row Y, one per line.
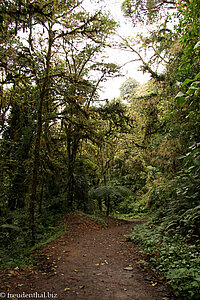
column 89, row 262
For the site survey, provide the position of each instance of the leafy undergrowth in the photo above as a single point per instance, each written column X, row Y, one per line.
column 130, row 216
column 16, row 248
column 171, row 258
column 98, row 220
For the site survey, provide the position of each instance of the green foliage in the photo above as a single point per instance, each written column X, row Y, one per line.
column 171, row 257
column 189, row 27
column 102, row 191
column 46, row 93
column 98, row 220
column 109, row 196
column 129, row 216
column 128, row 88
column 146, row 11
column 171, row 160
column 16, row 248
column 131, row 205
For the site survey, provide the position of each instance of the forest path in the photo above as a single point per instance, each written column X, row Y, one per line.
column 88, row 262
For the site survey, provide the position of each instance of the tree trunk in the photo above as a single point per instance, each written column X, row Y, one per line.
column 70, row 187
column 72, row 147
column 108, row 205
column 36, row 163
column 100, row 204
column 107, row 198
column 41, row 196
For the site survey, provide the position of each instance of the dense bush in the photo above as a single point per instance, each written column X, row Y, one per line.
column 171, row 257
column 15, row 245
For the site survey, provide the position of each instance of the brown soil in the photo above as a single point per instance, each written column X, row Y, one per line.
column 88, row 262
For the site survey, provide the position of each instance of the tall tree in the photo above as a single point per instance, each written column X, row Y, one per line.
column 127, row 88
column 77, row 114
column 33, row 62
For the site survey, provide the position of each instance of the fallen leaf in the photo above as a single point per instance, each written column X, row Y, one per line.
column 128, row 268
column 154, row 283
column 12, row 272
column 81, row 287
column 75, row 270
column 66, row 289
